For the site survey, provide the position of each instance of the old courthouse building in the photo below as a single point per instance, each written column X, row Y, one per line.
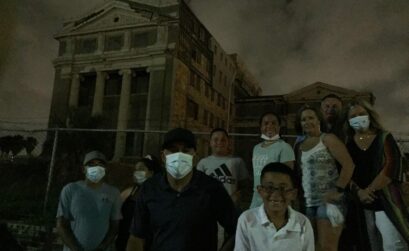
column 146, row 65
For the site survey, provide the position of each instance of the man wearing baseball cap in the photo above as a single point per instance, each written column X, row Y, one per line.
column 89, row 210
column 179, row 209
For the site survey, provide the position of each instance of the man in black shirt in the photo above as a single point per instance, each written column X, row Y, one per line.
column 178, row 210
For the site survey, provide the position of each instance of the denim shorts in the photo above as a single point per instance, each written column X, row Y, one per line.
column 320, row 212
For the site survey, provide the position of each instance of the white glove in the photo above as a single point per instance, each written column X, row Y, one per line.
column 334, row 215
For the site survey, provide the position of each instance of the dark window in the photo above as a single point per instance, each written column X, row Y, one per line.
column 85, row 45
column 220, row 77
column 140, row 82
column 114, row 43
column 202, row 35
column 196, row 55
column 207, row 90
column 205, row 117
column 63, row 48
column 192, row 78
column 213, row 93
column 219, row 100
column 113, row 84
column 134, row 144
column 211, row 120
column 192, row 109
column 87, row 90
column 144, row 39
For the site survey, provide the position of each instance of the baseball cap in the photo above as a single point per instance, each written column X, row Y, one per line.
column 94, row 155
column 179, row 135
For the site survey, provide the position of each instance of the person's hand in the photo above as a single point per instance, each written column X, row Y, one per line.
column 366, row 195
column 332, row 196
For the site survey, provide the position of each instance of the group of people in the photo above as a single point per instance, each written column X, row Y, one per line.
column 337, row 188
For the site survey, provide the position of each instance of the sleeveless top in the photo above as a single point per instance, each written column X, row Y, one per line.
column 127, row 210
column 319, row 173
column 365, row 162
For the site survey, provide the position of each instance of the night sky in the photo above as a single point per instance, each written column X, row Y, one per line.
column 362, row 45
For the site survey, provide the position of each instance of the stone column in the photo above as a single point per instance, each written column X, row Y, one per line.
column 157, row 108
column 101, row 43
column 99, row 94
column 74, row 90
column 123, row 113
column 127, row 41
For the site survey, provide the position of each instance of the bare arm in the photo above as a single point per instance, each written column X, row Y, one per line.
column 66, row 234
column 135, row 243
column 125, row 193
column 340, row 153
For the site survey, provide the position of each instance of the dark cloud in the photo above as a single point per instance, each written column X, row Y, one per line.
column 360, row 45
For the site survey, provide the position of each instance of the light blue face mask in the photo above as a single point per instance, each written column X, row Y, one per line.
column 179, row 164
column 360, row 123
column 139, row 177
column 95, row 173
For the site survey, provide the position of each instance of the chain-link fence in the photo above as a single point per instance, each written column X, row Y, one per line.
column 36, row 164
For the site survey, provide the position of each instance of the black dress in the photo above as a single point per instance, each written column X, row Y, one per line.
column 127, row 211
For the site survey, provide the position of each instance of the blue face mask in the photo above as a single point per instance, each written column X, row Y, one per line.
column 179, row 164
column 95, row 173
column 360, row 123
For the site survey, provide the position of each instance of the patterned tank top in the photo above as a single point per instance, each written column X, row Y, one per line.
column 319, row 173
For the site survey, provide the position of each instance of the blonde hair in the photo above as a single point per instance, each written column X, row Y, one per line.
column 375, row 123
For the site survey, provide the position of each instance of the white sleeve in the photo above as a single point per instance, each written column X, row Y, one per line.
column 242, row 241
column 200, row 166
column 243, row 173
column 287, row 153
column 308, row 237
column 64, row 204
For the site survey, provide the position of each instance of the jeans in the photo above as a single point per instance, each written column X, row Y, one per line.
column 382, row 233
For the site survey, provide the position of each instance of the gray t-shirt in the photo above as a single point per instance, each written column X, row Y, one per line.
column 229, row 170
column 90, row 211
column 279, row 151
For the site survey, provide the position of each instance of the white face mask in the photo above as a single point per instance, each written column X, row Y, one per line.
column 178, row 165
column 95, row 173
column 359, row 122
column 139, row 176
column 265, row 137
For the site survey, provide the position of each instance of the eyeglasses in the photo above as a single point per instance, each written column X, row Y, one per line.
column 271, row 189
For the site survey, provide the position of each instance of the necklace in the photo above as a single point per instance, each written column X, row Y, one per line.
column 362, row 137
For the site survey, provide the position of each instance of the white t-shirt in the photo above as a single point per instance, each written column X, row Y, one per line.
column 279, row 151
column 256, row 233
column 229, row 170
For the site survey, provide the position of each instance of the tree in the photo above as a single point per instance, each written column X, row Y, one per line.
column 17, row 144
column 29, row 144
column 5, row 143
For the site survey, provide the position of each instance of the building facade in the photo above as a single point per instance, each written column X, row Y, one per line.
column 144, row 65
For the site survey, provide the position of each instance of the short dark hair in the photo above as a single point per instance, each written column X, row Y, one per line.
column 219, row 129
column 331, row 95
column 278, row 167
column 268, row 113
